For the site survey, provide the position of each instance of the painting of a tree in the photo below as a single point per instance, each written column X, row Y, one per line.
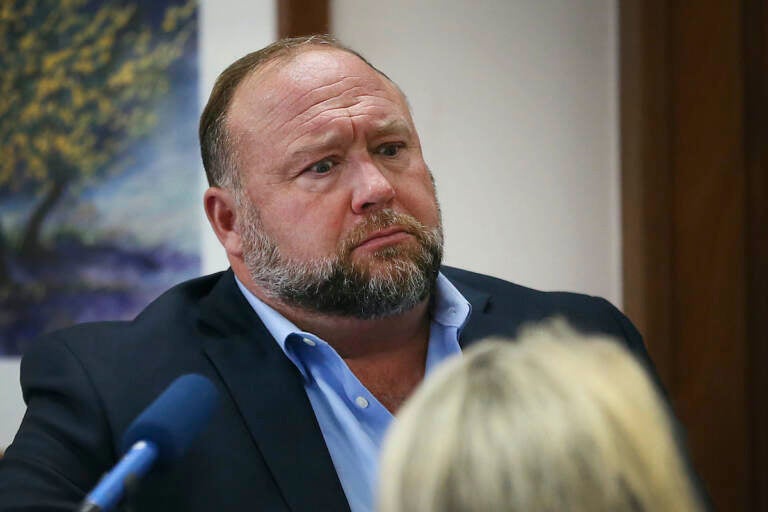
column 84, row 89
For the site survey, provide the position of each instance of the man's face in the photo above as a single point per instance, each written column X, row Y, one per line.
column 338, row 211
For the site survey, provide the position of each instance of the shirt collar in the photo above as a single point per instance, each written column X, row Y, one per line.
column 278, row 326
column 449, row 308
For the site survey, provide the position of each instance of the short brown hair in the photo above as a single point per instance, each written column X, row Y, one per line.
column 215, row 146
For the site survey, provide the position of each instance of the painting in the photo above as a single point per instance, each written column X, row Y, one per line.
column 99, row 166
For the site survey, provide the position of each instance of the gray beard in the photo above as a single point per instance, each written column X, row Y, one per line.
column 334, row 285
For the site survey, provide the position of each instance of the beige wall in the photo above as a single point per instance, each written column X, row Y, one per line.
column 516, row 102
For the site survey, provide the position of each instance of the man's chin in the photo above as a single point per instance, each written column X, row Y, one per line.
column 383, row 262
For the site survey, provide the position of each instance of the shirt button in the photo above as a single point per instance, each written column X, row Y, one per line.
column 361, row 402
column 309, row 342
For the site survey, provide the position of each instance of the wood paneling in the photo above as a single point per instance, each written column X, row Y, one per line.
column 646, row 137
column 693, row 114
column 709, row 242
column 302, row 17
column 756, row 160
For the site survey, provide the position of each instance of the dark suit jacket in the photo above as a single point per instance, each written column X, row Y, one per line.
column 263, row 449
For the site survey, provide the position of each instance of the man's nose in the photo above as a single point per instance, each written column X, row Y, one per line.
column 372, row 188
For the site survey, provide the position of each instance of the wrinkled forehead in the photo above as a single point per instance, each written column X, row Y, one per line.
column 300, row 81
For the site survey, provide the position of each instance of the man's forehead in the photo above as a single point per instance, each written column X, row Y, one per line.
column 318, row 63
column 293, row 99
column 306, row 71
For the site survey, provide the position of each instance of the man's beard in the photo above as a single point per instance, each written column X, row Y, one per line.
column 392, row 280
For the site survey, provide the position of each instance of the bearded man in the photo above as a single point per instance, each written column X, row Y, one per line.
column 335, row 307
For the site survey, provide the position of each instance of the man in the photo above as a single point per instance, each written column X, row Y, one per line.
column 334, row 309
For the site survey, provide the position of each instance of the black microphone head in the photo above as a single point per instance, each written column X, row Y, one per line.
column 175, row 418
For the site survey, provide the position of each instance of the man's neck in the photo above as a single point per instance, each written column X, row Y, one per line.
column 355, row 338
column 388, row 355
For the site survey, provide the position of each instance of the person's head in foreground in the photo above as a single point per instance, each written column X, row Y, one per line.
column 556, row 421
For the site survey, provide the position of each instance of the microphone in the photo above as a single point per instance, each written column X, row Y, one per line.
column 160, row 435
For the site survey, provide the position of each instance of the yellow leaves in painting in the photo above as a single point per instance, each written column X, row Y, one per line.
column 32, row 112
column 176, row 16
column 125, row 75
column 46, row 86
column 78, row 85
column 26, row 42
column 53, row 60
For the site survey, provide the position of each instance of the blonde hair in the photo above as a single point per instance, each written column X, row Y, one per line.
column 555, row 421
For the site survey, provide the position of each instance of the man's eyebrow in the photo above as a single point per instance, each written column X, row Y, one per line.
column 317, row 145
column 322, row 144
column 392, row 126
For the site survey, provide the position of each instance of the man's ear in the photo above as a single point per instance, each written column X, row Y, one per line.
column 220, row 208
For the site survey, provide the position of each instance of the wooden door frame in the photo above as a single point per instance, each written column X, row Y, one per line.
column 693, row 85
column 302, row 17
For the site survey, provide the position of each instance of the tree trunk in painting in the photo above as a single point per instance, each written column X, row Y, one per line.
column 30, row 244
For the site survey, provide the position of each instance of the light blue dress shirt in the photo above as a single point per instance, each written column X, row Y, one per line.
column 352, row 420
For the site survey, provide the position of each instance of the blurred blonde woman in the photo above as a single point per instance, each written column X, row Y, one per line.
column 557, row 421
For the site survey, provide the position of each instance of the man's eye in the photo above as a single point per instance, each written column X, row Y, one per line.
column 321, row 167
column 391, row 149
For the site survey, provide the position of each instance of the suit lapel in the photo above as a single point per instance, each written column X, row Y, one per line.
column 488, row 318
column 269, row 393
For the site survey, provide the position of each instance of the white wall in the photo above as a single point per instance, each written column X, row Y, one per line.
column 11, row 404
column 515, row 102
column 228, row 30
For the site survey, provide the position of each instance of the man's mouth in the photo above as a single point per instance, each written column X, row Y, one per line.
column 384, row 237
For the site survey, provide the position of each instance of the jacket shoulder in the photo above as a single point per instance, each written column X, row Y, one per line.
column 164, row 334
column 508, row 306
column 506, row 291
column 173, row 305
